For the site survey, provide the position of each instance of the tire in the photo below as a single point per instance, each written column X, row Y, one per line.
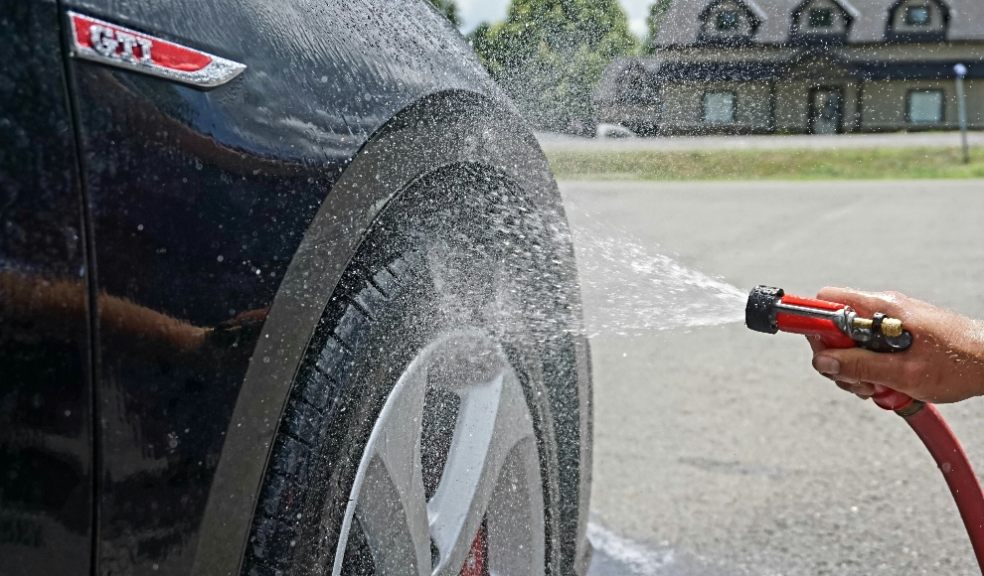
column 466, row 281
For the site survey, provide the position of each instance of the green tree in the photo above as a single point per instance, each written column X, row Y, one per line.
column 449, row 9
column 654, row 22
column 483, row 40
column 550, row 54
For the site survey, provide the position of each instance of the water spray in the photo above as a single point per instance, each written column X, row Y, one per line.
column 771, row 310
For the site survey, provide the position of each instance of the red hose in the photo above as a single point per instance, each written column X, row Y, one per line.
column 942, row 443
column 924, row 419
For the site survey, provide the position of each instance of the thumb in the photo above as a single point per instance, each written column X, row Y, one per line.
column 859, row 365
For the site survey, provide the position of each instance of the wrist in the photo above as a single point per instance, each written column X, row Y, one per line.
column 975, row 355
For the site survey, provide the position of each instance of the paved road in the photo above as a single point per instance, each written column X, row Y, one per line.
column 718, row 451
column 552, row 142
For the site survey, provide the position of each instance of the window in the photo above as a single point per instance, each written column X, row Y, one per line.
column 726, row 21
column 925, row 107
column 821, row 18
column 719, row 107
column 917, row 15
column 919, row 21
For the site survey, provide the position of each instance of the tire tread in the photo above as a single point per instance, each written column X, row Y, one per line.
column 311, row 404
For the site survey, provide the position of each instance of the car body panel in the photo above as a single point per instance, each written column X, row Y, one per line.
column 45, row 385
column 199, row 200
column 179, row 226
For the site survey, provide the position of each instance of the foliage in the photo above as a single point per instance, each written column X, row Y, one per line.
column 449, row 9
column 483, row 40
column 550, row 54
column 654, row 22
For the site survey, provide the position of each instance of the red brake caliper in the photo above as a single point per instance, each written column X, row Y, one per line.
column 475, row 564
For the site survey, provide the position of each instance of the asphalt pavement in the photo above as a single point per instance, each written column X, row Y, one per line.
column 718, row 451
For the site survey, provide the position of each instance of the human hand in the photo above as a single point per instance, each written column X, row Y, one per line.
column 944, row 364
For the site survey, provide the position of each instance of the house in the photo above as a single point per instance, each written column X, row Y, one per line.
column 801, row 66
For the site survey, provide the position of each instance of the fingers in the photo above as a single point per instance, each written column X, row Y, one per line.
column 816, row 343
column 857, row 365
column 867, row 303
column 862, row 390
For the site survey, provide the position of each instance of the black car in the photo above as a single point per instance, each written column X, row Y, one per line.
column 285, row 287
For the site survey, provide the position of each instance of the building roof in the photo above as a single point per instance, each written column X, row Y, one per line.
column 681, row 24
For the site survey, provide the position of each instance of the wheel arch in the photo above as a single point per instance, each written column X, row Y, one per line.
column 443, row 129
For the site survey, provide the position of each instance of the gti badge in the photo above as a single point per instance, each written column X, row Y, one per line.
column 107, row 43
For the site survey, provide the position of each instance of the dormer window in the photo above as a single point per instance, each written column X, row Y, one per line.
column 729, row 22
column 917, row 21
column 822, row 22
column 821, row 17
column 917, row 15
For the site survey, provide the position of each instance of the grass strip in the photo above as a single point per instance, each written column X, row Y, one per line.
column 793, row 164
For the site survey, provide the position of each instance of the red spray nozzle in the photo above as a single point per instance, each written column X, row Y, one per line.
column 837, row 325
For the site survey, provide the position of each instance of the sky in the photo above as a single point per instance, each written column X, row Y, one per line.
column 473, row 12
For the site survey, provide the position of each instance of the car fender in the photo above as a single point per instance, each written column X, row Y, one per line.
column 440, row 130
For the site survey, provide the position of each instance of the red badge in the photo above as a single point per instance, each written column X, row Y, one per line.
column 107, row 43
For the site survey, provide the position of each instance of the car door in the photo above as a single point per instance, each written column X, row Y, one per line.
column 200, row 185
column 46, row 474
column 191, row 216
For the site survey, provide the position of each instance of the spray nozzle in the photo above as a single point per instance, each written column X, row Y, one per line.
column 771, row 310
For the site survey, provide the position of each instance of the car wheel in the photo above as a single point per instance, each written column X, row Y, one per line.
column 420, row 437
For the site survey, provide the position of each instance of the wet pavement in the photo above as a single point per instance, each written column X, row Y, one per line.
column 718, row 451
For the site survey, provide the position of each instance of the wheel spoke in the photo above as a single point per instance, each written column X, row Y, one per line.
column 514, row 520
column 391, row 506
column 492, row 420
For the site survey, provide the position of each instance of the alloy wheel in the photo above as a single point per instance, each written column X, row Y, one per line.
column 482, row 512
